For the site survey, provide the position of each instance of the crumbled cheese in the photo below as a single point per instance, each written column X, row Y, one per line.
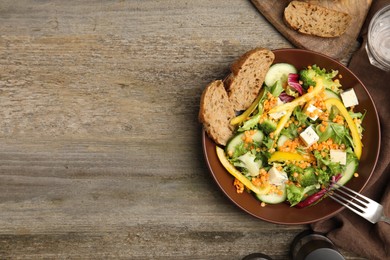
column 309, row 136
column 349, row 98
column 278, row 115
column 313, row 110
column 338, row 156
column 277, row 177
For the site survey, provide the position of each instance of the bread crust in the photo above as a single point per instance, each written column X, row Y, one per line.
column 312, row 19
column 216, row 112
column 221, row 99
column 247, row 77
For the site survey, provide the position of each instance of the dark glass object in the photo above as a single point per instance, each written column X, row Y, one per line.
column 257, row 256
column 312, row 246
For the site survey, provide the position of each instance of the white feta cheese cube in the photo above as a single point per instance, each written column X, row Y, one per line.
column 309, row 136
column 338, row 156
column 277, row 177
column 349, row 98
column 313, row 110
column 278, row 115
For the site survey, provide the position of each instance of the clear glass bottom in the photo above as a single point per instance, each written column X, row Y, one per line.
column 374, row 61
column 378, row 42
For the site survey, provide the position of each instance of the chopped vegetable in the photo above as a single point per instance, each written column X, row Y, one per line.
column 294, row 83
column 351, row 124
column 285, row 97
column 238, row 175
column 246, row 113
column 316, row 197
column 309, row 75
column 282, row 122
column 295, row 139
column 296, row 194
column 279, row 72
column 249, row 163
column 302, row 99
column 285, row 156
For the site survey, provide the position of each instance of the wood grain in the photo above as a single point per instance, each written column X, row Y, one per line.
column 100, row 149
column 337, row 47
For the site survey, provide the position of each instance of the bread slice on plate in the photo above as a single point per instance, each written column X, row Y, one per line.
column 315, row 20
column 216, row 111
column 247, row 77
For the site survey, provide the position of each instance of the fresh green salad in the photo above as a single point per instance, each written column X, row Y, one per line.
column 299, row 136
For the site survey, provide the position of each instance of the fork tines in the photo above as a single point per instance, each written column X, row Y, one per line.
column 348, row 198
column 358, row 203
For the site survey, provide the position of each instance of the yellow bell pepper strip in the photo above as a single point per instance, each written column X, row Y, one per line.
column 279, row 156
column 282, row 122
column 300, row 100
column 238, row 175
column 352, row 126
column 241, row 118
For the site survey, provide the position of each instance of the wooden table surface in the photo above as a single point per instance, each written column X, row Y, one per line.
column 100, row 147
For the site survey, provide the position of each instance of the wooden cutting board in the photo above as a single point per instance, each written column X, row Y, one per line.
column 337, row 47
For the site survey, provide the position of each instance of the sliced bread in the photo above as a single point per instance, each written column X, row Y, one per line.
column 247, row 77
column 216, row 111
column 315, row 20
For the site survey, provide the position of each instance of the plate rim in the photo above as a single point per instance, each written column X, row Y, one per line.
column 338, row 208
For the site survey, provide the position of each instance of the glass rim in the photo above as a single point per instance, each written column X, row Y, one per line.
column 377, row 57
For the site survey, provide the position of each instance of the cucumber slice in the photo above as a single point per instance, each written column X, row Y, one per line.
column 258, row 136
column 350, row 169
column 279, row 71
column 273, row 198
column 331, row 94
column 279, row 179
column 237, row 140
column 234, row 143
column 281, row 140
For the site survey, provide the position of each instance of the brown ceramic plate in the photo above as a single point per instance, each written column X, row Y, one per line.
column 283, row 213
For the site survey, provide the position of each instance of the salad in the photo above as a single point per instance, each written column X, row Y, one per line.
column 299, row 136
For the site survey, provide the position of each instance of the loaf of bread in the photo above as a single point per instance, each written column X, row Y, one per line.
column 315, row 20
column 216, row 111
column 247, row 77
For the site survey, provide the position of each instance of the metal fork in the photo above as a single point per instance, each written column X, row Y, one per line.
column 361, row 205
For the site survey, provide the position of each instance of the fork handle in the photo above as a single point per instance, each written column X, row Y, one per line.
column 385, row 219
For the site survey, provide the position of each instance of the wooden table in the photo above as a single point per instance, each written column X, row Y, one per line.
column 100, row 147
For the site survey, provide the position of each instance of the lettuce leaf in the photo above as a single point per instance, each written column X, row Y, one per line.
column 308, row 75
column 296, row 194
